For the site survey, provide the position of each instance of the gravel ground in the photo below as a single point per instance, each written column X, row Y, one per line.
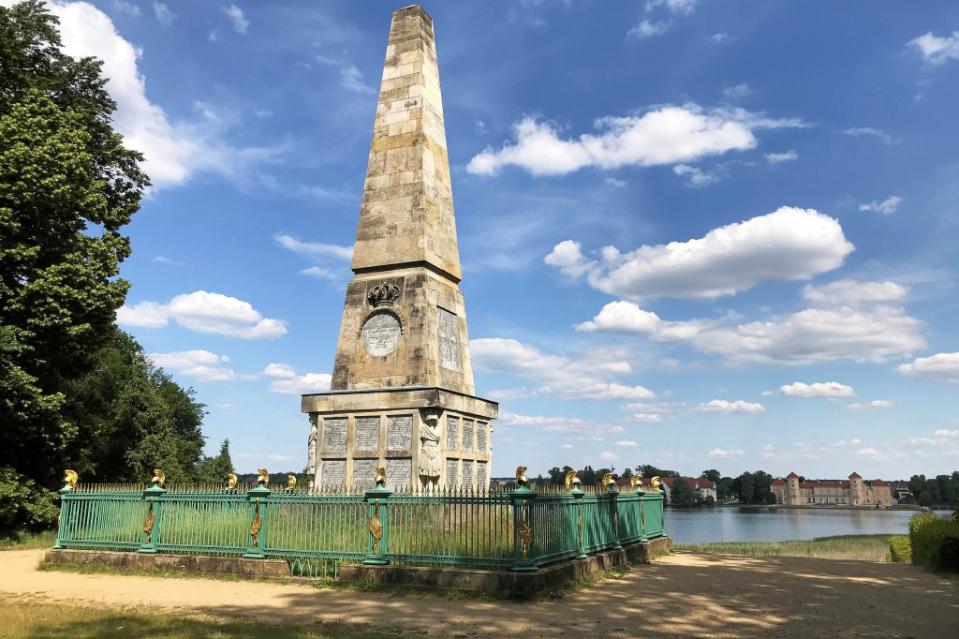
column 682, row 595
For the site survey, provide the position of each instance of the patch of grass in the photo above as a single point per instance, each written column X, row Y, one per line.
column 25, row 619
column 859, row 547
column 29, row 541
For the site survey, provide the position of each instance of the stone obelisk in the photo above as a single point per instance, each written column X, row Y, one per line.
column 402, row 394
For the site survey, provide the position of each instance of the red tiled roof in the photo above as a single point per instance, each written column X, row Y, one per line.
column 792, row 476
column 693, row 482
column 778, row 482
column 855, row 475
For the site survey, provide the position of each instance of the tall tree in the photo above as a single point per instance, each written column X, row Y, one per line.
column 67, row 188
column 712, row 475
column 213, row 470
column 682, row 494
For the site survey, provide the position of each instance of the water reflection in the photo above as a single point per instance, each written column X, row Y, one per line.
column 778, row 524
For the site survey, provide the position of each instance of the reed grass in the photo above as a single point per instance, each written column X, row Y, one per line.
column 855, row 547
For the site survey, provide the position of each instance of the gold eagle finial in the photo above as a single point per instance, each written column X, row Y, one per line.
column 380, row 477
column 291, row 482
column 572, row 480
column 263, row 477
column 231, row 481
column 655, row 483
column 159, row 478
column 70, row 479
column 521, row 478
column 608, row 480
column 636, row 482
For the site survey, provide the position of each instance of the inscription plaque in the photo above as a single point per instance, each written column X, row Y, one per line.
column 381, row 334
column 481, row 475
column 449, row 338
column 468, row 435
column 399, row 473
column 367, row 433
column 334, row 435
column 333, row 473
column 452, row 432
column 364, row 473
column 481, row 437
column 452, row 473
column 467, row 473
column 399, row 432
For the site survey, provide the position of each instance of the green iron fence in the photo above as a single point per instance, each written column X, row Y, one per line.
column 519, row 529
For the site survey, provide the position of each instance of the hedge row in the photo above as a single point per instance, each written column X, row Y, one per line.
column 900, row 550
column 935, row 541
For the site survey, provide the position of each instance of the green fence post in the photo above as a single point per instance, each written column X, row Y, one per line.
column 522, row 499
column 578, row 494
column 378, row 523
column 613, row 493
column 151, row 525
column 70, row 479
column 640, row 503
column 259, row 499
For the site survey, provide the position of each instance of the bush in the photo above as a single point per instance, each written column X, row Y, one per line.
column 24, row 506
column 900, row 550
column 935, row 542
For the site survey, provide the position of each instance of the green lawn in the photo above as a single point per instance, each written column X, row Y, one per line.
column 28, row 541
column 862, row 547
column 27, row 620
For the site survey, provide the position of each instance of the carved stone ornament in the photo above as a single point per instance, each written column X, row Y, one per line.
column 384, row 294
column 381, row 333
column 430, row 463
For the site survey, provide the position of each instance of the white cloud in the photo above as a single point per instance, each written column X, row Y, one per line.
column 351, row 78
column 817, row 389
column 608, row 456
column 886, row 207
column 695, row 177
column 204, row 312
column 203, row 365
column 237, row 17
column 873, row 333
column 126, row 7
column 626, row 443
column 321, row 272
column 665, row 135
column 676, row 7
column 163, row 14
column 935, row 49
column 721, row 453
column 647, row 417
column 648, row 29
column 300, row 384
column 279, row 370
column 172, row 151
column 868, row 131
column 615, row 182
column 313, row 249
column 848, row 292
column 879, row 404
column 719, row 38
column 786, row 156
column 939, row 366
column 727, row 407
column 737, row 91
column 556, row 424
column 787, row 244
column 591, row 377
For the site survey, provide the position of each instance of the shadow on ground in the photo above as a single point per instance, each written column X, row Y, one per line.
column 679, row 596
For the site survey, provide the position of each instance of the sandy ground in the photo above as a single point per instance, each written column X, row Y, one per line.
column 681, row 595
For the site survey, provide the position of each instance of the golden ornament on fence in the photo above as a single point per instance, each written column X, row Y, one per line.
column 608, row 480
column 231, row 481
column 159, row 478
column 654, row 484
column 380, row 477
column 256, row 525
column 521, row 478
column 291, row 482
column 70, row 479
column 263, row 477
column 376, row 527
column 636, row 482
column 572, row 480
column 525, row 536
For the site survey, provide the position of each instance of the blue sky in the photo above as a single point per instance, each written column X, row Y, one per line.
column 693, row 234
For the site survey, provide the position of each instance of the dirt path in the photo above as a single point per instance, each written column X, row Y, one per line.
column 678, row 596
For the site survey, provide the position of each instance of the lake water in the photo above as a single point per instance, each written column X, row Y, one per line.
column 702, row 525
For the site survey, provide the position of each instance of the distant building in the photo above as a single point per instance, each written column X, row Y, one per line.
column 702, row 488
column 854, row 492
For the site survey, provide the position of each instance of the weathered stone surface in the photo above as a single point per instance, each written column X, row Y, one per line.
column 249, row 568
column 403, row 343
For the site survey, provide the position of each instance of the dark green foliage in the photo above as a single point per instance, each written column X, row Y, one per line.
column 754, row 488
column 712, row 475
column 132, row 418
column 647, row 470
column 900, row 550
column 214, row 470
column 67, row 187
column 682, row 494
column 935, row 541
column 24, row 506
column 710, row 501
column 940, row 492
